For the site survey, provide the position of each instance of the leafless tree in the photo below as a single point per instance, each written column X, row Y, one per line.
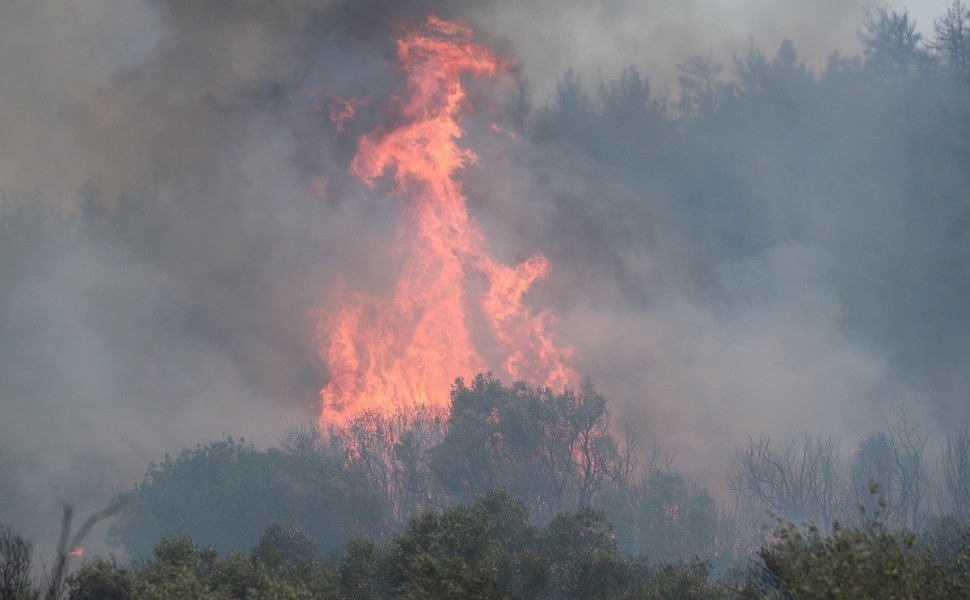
column 590, row 444
column 800, row 482
column 68, row 545
column 892, row 460
column 394, row 452
column 660, row 457
column 956, row 473
column 16, row 555
column 625, row 466
column 952, row 39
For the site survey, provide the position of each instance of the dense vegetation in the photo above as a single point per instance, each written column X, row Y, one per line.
column 553, row 452
column 512, row 496
column 490, row 548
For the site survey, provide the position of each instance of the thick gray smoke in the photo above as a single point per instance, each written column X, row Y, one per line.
column 603, row 38
column 176, row 206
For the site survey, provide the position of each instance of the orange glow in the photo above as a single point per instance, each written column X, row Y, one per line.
column 496, row 128
column 385, row 354
column 342, row 110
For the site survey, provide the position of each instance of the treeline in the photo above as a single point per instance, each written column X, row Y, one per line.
column 491, row 548
column 488, row 548
column 863, row 159
column 522, row 492
column 553, row 452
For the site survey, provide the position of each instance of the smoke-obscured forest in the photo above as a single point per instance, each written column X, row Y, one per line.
column 759, row 253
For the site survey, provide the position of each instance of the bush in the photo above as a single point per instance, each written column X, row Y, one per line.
column 867, row 561
column 227, row 492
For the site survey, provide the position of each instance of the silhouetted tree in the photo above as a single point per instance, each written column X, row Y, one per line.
column 893, row 461
column 956, row 474
column 394, row 452
column 798, row 482
column 101, row 579
column 701, row 92
column 952, row 38
column 893, row 47
column 554, row 451
column 782, row 83
column 227, row 492
column 16, row 557
column 477, row 550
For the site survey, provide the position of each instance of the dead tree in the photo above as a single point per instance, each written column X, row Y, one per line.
column 68, row 545
column 956, row 473
column 952, row 39
column 892, row 462
column 798, row 482
column 16, row 556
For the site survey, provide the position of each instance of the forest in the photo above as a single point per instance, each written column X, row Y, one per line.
column 522, row 493
column 829, row 206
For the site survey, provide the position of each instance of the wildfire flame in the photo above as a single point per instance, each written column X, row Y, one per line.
column 404, row 351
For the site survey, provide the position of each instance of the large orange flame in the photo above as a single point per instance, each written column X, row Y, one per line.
column 406, row 350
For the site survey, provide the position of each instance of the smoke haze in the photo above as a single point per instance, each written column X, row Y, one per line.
column 176, row 208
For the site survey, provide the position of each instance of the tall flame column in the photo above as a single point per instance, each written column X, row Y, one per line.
column 385, row 354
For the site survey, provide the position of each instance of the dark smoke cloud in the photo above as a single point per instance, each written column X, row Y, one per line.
column 699, row 347
column 176, row 205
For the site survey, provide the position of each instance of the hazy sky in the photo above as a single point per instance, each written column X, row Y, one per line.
column 924, row 11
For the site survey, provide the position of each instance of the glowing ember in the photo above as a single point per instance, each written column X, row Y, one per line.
column 406, row 350
column 78, row 551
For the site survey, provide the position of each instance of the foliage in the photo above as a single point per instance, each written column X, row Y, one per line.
column 952, row 39
column 488, row 548
column 224, row 492
column 892, row 44
column 945, row 537
column 283, row 565
column 867, row 561
column 702, row 93
column 665, row 517
column 552, row 450
column 283, row 551
column 101, row 579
